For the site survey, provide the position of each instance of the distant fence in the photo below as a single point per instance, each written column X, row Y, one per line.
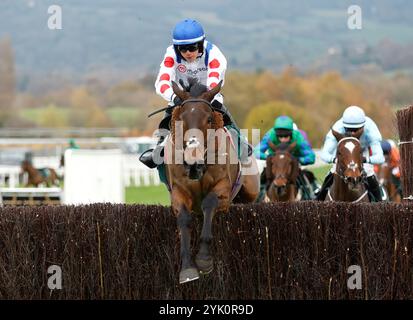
column 135, row 173
column 301, row 250
column 31, row 196
column 9, row 176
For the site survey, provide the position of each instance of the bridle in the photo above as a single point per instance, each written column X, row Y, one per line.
column 281, row 176
column 193, row 143
column 170, row 108
column 351, row 166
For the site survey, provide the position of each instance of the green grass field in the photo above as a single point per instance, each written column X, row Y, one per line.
column 160, row 195
column 147, row 195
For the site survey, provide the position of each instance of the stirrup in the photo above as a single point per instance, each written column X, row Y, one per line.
column 147, row 159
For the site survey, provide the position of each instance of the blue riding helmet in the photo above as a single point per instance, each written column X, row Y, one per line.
column 386, row 146
column 188, row 31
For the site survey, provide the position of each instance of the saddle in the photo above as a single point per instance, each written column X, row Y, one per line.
column 44, row 172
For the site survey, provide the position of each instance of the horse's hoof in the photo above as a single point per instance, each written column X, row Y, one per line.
column 188, row 275
column 205, row 266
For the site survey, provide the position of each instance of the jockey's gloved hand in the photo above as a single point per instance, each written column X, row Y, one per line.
column 177, row 101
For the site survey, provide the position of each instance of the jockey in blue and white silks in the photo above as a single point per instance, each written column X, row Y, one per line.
column 353, row 119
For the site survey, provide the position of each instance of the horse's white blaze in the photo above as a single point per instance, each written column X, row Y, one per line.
column 193, row 109
column 352, row 165
column 350, row 146
column 282, row 156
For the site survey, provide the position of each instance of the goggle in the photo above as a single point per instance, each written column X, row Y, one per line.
column 188, row 47
column 351, row 129
column 284, row 135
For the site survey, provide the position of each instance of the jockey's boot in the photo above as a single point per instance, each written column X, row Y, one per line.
column 374, row 188
column 316, row 187
column 147, row 157
column 328, row 181
column 244, row 147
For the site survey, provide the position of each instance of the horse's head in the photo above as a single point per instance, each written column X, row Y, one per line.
column 349, row 158
column 25, row 165
column 197, row 116
column 282, row 167
column 385, row 171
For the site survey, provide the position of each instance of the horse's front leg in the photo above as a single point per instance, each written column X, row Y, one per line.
column 188, row 271
column 217, row 199
column 204, row 259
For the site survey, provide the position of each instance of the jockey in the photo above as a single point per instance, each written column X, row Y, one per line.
column 305, row 136
column 72, row 144
column 390, row 149
column 190, row 56
column 353, row 119
column 284, row 132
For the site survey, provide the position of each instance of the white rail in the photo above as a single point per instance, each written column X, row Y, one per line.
column 134, row 172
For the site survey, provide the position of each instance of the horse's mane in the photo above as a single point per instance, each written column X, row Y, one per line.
column 194, row 87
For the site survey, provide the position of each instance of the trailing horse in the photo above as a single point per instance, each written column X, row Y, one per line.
column 283, row 179
column 47, row 176
column 348, row 181
column 281, row 173
column 203, row 172
column 391, row 183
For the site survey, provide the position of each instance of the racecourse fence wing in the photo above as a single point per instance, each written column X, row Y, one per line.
column 267, row 251
column 405, row 128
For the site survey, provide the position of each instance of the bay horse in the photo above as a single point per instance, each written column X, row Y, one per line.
column 203, row 179
column 389, row 181
column 281, row 172
column 348, row 182
column 39, row 176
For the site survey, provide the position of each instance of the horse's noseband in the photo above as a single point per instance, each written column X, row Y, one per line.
column 193, row 143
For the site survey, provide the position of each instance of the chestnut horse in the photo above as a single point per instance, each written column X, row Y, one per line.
column 389, row 181
column 281, row 173
column 39, row 176
column 348, row 182
column 203, row 179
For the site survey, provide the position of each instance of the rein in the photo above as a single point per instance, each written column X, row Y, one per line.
column 345, row 178
column 355, row 201
column 186, row 101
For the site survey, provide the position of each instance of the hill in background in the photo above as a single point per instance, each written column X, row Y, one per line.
column 127, row 37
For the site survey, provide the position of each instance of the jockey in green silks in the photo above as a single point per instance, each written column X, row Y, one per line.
column 283, row 132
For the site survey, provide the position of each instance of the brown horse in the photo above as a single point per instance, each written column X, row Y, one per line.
column 388, row 180
column 281, row 173
column 47, row 176
column 348, row 183
column 203, row 178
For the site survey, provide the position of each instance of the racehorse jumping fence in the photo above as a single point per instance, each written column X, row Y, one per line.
column 405, row 127
column 300, row 250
